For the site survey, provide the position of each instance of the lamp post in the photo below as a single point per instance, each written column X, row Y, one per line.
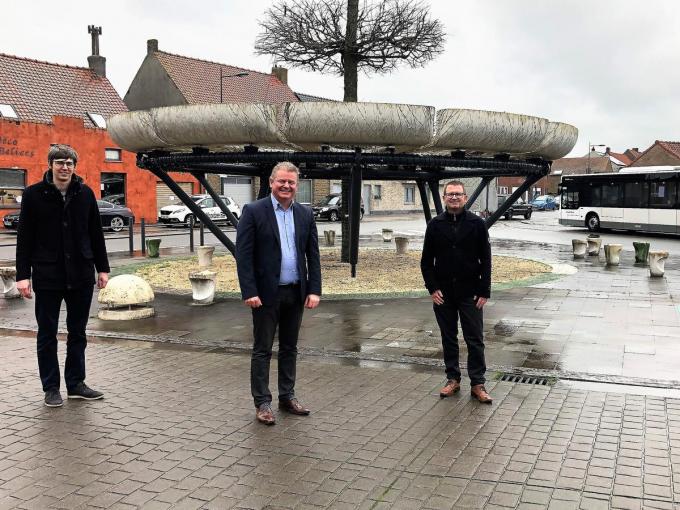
column 591, row 147
column 222, row 76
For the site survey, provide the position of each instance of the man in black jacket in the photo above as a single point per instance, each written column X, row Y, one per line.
column 279, row 271
column 60, row 242
column 456, row 267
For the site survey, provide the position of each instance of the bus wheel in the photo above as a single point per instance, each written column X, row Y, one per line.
column 593, row 222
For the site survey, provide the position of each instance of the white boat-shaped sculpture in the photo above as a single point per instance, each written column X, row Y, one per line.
column 308, row 126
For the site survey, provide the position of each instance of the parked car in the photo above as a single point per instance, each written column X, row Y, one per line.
column 113, row 217
column 328, row 207
column 545, row 203
column 519, row 208
column 181, row 214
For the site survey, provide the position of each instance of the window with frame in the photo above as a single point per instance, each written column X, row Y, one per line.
column 304, row 191
column 503, row 190
column 112, row 154
column 635, row 194
column 611, row 195
column 662, row 194
column 8, row 111
column 409, row 194
column 113, row 188
column 377, row 191
column 12, row 184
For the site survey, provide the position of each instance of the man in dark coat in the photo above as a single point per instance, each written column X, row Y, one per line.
column 279, row 271
column 456, row 267
column 59, row 244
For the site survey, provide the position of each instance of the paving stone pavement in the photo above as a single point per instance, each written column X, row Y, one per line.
column 177, row 430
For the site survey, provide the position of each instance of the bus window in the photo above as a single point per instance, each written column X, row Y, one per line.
column 662, row 194
column 611, row 195
column 636, row 195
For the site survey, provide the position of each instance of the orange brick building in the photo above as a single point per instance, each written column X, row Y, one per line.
column 43, row 103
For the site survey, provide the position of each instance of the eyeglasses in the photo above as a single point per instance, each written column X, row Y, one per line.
column 454, row 195
column 64, row 163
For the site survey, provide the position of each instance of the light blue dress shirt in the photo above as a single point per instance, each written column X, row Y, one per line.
column 286, row 222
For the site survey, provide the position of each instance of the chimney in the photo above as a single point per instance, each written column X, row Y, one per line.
column 281, row 73
column 151, row 46
column 95, row 61
column 607, row 150
column 636, row 149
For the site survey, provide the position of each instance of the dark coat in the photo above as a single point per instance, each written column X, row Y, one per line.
column 258, row 251
column 457, row 262
column 60, row 240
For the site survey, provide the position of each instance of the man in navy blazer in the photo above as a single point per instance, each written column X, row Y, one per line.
column 279, row 271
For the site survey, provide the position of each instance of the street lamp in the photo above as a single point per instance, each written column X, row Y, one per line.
column 222, row 76
column 591, row 147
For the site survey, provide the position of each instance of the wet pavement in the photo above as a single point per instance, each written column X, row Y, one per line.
column 176, row 428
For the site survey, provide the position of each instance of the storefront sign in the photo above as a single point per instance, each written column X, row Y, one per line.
column 10, row 147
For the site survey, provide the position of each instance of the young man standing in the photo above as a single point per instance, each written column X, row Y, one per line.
column 456, row 267
column 279, row 271
column 60, row 242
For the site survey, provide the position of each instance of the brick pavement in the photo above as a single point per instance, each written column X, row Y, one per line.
column 177, row 430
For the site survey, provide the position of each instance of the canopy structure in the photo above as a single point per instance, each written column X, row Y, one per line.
column 354, row 141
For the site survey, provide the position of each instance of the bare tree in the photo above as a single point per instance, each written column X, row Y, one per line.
column 343, row 38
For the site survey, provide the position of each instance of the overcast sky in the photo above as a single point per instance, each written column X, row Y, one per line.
column 609, row 67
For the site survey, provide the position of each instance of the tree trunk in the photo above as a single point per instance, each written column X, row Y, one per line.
column 349, row 64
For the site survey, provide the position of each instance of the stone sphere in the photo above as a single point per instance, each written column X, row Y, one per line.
column 126, row 290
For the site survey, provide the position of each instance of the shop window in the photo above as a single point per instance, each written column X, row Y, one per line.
column 409, row 194
column 113, row 188
column 12, row 184
column 112, row 154
column 304, row 191
column 8, row 111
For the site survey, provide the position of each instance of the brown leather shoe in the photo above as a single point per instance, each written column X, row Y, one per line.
column 293, row 406
column 479, row 392
column 264, row 414
column 452, row 386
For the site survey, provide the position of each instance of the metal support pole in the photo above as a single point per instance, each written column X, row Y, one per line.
column 201, row 235
column 142, row 227
column 191, row 236
column 478, row 191
column 434, row 190
column 424, row 200
column 354, row 217
column 529, row 181
column 200, row 177
column 196, row 210
column 264, row 186
column 131, row 235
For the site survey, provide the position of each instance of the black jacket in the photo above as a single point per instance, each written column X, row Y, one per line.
column 457, row 258
column 60, row 240
column 258, row 251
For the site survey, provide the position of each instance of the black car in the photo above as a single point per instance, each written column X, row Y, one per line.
column 329, row 207
column 114, row 217
column 519, row 208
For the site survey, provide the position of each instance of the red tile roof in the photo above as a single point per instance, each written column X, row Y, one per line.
column 199, row 82
column 568, row 166
column 672, row 147
column 38, row 90
column 621, row 157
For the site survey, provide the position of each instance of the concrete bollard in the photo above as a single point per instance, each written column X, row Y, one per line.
column 329, row 235
column 579, row 246
column 8, row 275
column 612, row 253
column 203, row 287
column 657, row 263
column 153, row 249
column 205, row 256
column 594, row 244
column 387, row 235
column 402, row 245
column 641, row 252
column 126, row 297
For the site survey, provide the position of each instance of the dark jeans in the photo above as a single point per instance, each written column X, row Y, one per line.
column 472, row 324
column 287, row 314
column 47, row 305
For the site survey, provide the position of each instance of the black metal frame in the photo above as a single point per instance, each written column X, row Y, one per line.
column 357, row 166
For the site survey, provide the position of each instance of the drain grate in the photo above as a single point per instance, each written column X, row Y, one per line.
column 525, row 379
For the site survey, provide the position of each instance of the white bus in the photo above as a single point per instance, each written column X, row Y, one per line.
column 644, row 199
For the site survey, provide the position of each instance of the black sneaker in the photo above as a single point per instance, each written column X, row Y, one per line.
column 53, row 398
column 81, row 390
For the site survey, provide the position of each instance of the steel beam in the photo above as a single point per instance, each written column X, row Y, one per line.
column 354, row 217
column 434, row 191
column 425, row 201
column 478, row 191
column 530, row 180
column 200, row 177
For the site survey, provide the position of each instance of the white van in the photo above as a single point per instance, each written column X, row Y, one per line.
column 181, row 214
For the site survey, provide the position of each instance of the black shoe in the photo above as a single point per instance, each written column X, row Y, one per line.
column 81, row 390
column 53, row 398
